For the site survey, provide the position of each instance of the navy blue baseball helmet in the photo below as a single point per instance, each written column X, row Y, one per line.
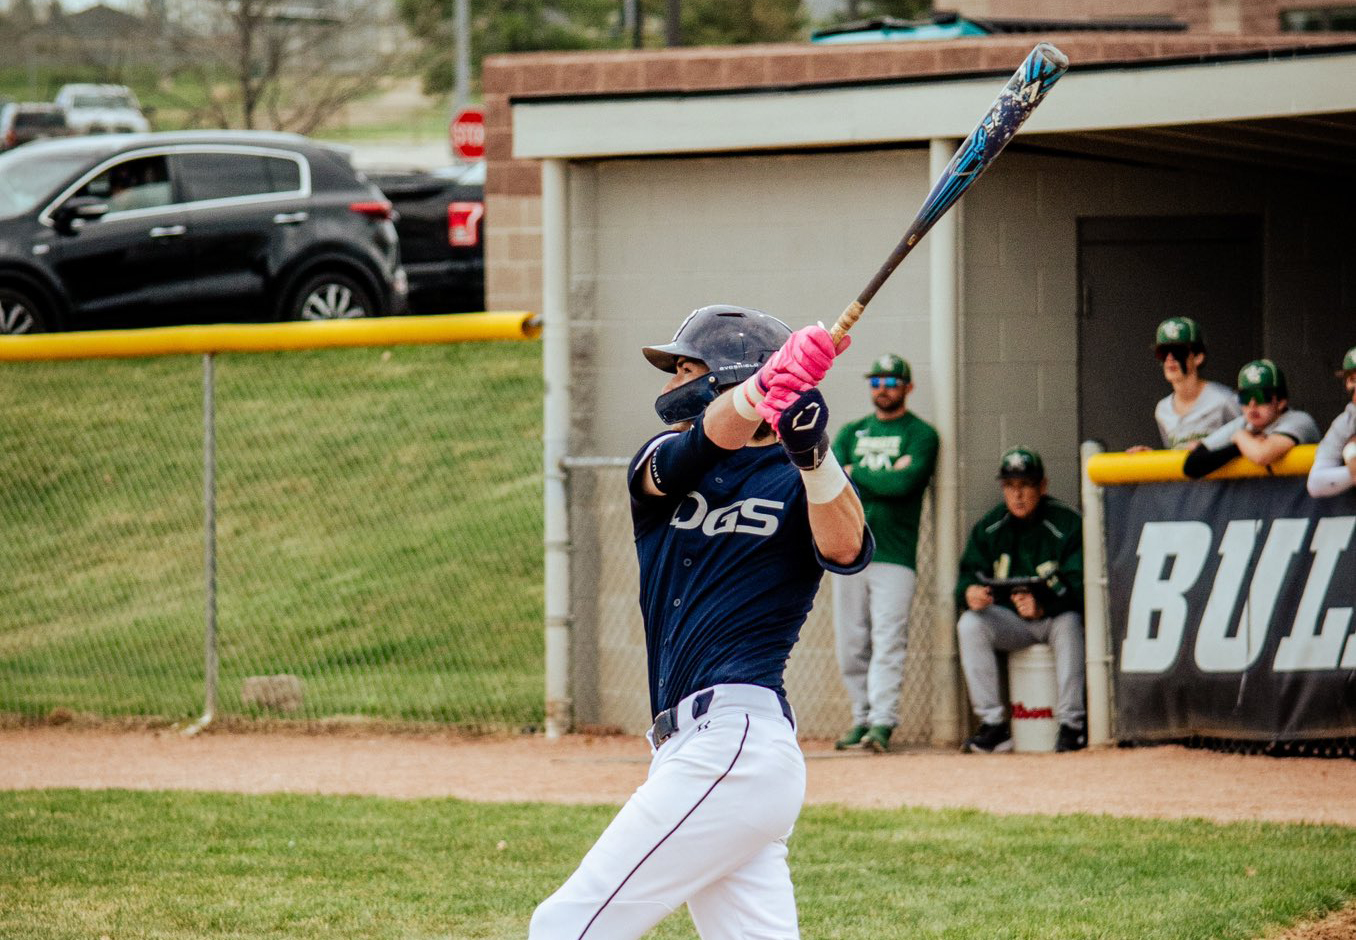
column 733, row 342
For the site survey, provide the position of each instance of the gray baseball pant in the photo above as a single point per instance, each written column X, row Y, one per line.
column 982, row 632
column 871, row 623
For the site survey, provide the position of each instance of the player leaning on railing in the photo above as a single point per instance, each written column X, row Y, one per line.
column 733, row 534
column 1334, row 469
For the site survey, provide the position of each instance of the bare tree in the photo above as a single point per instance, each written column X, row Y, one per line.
column 286, row 64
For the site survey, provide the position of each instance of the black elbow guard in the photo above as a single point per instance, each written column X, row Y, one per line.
column 679, row 463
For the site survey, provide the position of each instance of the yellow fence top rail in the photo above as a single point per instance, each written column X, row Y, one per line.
column 1165, row 466
column 270, row 337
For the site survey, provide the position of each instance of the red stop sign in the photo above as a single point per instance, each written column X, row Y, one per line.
column 468, row 134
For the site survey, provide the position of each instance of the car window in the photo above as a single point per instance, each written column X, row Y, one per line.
column 230, row 175
column 39, row 119
column 27, row 177
column 139, row 183
column 103, row 101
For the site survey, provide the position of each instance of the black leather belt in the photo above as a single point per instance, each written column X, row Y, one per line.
column 666, row 722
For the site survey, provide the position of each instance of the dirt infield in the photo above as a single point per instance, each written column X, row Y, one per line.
column 1163, row 782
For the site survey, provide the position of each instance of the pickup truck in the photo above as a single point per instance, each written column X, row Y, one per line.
column 440, row 222
column 102, row 109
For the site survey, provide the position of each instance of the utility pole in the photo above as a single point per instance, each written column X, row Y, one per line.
column 461, row 95
column 633, row 24
column 673, row 24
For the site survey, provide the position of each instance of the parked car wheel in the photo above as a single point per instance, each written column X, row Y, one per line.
column 22, row 311
column 331, row 296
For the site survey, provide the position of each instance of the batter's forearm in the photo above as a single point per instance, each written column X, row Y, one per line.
column 725, row 426
column 839, row 527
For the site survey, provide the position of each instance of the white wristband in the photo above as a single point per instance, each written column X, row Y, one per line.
column 747, row 396
column 825, row 482
column 1349, row 451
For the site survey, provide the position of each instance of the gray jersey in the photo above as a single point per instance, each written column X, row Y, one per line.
column 1296, row 425
column 1342, row 429
column 1215, row 406
column 1329, row 476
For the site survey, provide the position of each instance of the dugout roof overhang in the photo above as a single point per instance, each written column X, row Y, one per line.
column 1278, row 108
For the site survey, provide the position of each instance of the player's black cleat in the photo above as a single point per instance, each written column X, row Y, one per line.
column 1071, row 738
column 990, row 739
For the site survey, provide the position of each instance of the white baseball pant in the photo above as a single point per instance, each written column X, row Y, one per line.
column 708, row 828
column 871, row 628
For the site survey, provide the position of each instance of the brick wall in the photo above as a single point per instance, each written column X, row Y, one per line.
column 1245, row 17
column 513, row 187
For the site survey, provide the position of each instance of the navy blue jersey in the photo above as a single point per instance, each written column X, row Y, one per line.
column 728, row 573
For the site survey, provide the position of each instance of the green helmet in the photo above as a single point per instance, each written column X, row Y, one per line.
column 1180, row 331
column 891, row 365
column 1348, row 362
column 1021, row 463
column 1261, row 380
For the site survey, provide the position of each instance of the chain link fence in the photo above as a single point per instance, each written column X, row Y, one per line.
column 608, row 651
column 378, row 536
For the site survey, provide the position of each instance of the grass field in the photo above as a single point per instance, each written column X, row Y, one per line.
column 379, row 532
column 171, row 866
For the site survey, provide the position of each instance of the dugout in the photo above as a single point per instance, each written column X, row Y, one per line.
column 1179, row 174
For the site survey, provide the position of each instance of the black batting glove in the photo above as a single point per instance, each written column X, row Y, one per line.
column 802, row 428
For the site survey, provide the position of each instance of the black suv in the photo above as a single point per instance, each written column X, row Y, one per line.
column 192, row 227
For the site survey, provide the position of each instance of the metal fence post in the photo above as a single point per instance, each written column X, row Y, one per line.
column 209, row 504
column 1097, row 622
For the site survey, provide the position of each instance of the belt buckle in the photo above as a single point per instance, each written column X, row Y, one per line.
column 665, row 725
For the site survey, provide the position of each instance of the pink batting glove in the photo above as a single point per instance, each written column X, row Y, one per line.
column 779, row 398
column 803, row 360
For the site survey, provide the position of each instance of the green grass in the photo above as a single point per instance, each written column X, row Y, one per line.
column 379, row 532
column 429, row 123
column 174, row 866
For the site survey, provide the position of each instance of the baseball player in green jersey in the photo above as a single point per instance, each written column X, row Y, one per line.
column 890, row 455
column 1021, row 583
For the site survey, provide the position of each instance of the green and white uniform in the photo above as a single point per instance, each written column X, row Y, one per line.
column 1329, row 475
column 892, row 463
column 1215, row 406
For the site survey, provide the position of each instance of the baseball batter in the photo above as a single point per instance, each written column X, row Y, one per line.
column 1334, row 467
column 733, row 533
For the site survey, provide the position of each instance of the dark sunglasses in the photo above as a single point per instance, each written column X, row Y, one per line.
column 888, row 381
column 1255, row 396
column 1178, row 351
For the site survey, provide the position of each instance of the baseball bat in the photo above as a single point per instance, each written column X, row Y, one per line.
column 1019, row 97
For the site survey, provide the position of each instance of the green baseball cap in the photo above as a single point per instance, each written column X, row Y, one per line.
column 1021, row 463
column 1259, row 380
column 890, row 364
column 1179, row 331
column 1348, row 362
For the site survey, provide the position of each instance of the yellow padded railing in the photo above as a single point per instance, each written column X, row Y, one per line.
column 1165, row 466
column 270, row 337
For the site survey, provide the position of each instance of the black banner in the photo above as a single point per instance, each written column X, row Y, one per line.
column 1231, row 610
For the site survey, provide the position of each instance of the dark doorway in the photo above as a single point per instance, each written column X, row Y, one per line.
column 1134, row 273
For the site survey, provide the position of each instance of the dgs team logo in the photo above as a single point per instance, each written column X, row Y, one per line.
column 751, row 516
column 1171, row 558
